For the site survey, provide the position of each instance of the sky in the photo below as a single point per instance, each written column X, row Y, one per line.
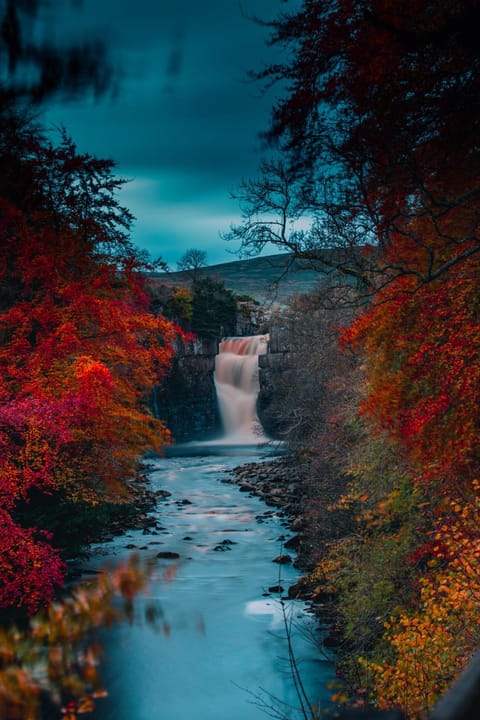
column 183, row 123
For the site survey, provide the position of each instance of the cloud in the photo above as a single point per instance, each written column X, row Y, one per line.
column 185, row 123
column 168, row 227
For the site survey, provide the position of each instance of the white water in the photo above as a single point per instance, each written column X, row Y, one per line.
column 236, row 382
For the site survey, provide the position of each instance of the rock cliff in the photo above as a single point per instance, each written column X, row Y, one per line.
column 274, row 370
column 186, row 399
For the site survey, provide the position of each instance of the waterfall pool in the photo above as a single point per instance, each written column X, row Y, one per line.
column 217, row 648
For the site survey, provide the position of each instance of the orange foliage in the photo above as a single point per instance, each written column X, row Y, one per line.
column 433, row 643
column 51, row 655
column 79, row 353
column 382, row 113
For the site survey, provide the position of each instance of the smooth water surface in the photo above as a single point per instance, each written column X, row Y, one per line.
column 215, row 648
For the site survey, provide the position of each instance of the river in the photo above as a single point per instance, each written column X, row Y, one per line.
column 215, row 643
column 217, row 646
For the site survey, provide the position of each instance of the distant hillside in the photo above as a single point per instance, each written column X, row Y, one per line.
column 263, row 278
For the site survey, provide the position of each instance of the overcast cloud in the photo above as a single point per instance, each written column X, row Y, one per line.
column 183, row 124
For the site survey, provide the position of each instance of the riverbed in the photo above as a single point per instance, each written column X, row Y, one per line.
column 208, row 641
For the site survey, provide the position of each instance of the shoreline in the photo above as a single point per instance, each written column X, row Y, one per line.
column 283, row 484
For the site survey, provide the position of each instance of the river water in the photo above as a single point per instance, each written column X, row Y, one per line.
column 215, row 645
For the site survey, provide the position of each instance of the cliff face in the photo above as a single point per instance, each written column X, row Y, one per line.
column 275, row 368
column 186, row 399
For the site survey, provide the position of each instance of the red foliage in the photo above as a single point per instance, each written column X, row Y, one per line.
column 383, row 98
column 423, row 349
column 30, row 567
column 79, row 353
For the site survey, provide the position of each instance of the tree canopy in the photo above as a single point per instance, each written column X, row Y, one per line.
column 378, row 129
column 79, row 349
column 214, row 309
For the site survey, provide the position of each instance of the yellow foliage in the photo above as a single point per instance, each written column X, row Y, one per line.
column 433, row 643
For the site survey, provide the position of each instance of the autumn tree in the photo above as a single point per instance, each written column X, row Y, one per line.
column 49, row 665
column 79, row 351
column 377, row 128
column 379, row 171
column 416, row 515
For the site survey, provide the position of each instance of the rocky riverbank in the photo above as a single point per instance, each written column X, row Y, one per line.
column 282, row 484
column 104, row 521
column 303, row 492
column 286, row 485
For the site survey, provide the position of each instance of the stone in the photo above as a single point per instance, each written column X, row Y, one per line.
column 186, row 398
column 282, row 559
column 246, row 487
column 167, row 555
column 298, row 523
column 293, row 543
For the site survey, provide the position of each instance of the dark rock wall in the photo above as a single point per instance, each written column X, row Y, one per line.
column 274, row 370
column 186, row 399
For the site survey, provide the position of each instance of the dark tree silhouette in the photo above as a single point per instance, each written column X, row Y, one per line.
column 191, row 262
column 35, row 71
column 213, row 309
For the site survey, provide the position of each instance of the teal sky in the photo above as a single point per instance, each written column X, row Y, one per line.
column 183, row 123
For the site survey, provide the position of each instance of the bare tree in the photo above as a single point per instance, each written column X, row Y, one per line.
column 318, row 224
column 191, row 262
column 306, row 376
column 377, row 125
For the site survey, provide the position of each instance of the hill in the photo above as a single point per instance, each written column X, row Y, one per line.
column 267, row 279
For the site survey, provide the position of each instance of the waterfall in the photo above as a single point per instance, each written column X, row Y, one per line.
column 236, row 382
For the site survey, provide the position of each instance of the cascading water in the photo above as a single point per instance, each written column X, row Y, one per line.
column 207, row 628
column 236, row 382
